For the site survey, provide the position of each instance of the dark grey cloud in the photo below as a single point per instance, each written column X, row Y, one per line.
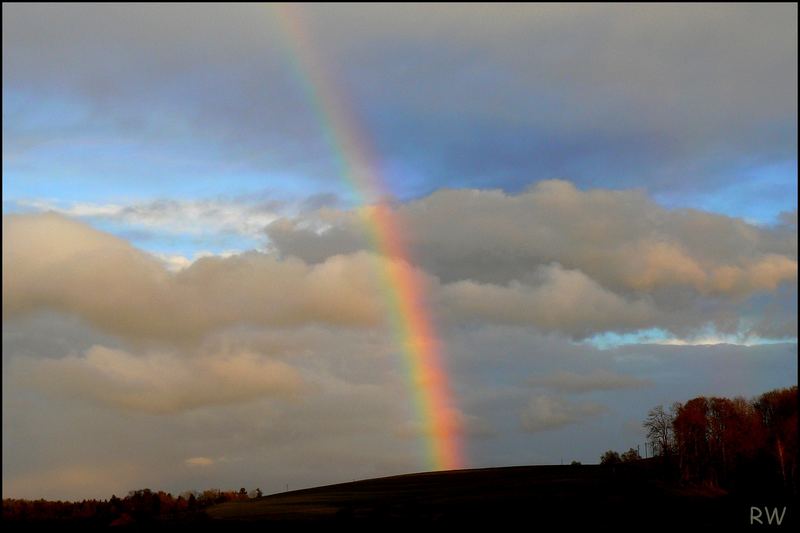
column 597, row 380
column 676, row 99
column 552, row 412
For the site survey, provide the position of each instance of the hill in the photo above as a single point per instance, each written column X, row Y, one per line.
column 625, row 496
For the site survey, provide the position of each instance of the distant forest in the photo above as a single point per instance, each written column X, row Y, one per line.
column 729, row 444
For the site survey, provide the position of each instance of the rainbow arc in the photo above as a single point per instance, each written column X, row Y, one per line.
column 404, row 287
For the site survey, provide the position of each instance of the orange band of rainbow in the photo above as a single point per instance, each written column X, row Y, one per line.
column 409, row 314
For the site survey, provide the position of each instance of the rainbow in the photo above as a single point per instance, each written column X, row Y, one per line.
column 404, row 287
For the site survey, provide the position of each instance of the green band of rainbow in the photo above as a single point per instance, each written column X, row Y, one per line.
column 409, row 314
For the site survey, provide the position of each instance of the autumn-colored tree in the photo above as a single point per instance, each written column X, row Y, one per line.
column 691, row 439
column 777, row 411
column 734, row 437
column 730, row 442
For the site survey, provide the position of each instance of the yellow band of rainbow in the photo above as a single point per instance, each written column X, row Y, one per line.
column 403, row 286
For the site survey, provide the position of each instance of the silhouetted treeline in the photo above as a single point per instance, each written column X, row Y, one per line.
column 730, row 443
column 611, row 457
column 139, row 506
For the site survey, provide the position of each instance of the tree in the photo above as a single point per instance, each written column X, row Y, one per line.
column 659, row 430
column 736, row 443
column 630, row 456
column 777, row 411
column 210, row 497
column 610, row 458
column 734, row 437
column 691, row 439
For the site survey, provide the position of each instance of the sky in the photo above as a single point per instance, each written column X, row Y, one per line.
column 600, row 202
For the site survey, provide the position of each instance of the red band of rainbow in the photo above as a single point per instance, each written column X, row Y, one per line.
column 409, row 314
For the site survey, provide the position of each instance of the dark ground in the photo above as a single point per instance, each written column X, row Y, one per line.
column 624, row 497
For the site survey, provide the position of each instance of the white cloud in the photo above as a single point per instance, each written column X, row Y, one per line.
column 177, row 262
column 176, row 217
column 174, row 262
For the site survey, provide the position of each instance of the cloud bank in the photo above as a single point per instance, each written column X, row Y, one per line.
column 161, row 383
column 588, row 255
column 620, row 238
column 59, row 264
column 515, row 107
column 554, row 258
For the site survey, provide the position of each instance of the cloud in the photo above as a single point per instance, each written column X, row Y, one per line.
column 554, row 258
column 469, row 426
column 152, row 366
column 602, row 250
column 163, row 383
column 345, row 421
column 130, row 293
column 563, row 300
column 93, row 479
column 622, row 239
column 318, row 236
column 242, row 216
column 637, row 103
column 310, row 405
column 174, row 262
column 177, row 262
column 58, row 264
column 546, row 413
column 199, row 461
column 597, row 380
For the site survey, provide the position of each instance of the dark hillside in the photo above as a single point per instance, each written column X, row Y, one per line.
column 626, row 495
